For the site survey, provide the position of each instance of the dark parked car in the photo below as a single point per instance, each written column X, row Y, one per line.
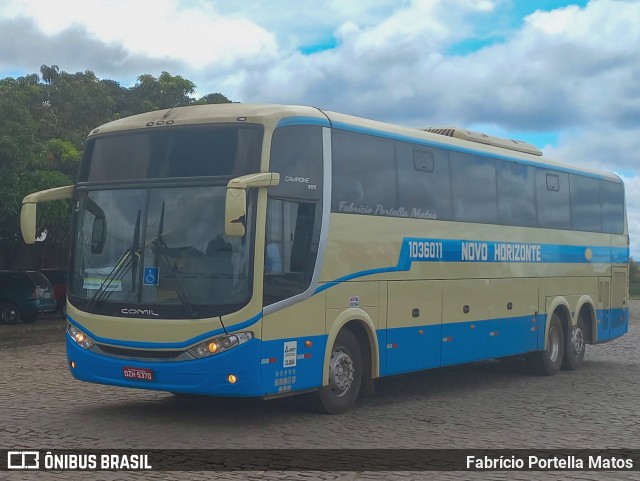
column 58, row 280
column 24, row 295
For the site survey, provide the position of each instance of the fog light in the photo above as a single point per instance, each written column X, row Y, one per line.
column 73, row 364
column 232, row 378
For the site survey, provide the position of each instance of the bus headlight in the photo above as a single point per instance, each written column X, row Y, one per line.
column 80, row 337
column 220, row 344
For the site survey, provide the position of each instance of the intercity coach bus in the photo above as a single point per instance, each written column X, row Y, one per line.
column 263, row 250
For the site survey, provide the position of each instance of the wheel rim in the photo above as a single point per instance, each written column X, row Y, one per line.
column 8, row 314
column 577, row 341
column 554, row 344
column 341, row 370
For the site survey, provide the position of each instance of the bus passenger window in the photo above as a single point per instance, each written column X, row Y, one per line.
column 291, row 247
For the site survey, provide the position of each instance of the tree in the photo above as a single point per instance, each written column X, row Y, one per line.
column 216, row 98
column 44, row 123
column 164, row 92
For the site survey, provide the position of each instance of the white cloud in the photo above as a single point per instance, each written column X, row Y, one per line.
column 194, row 32
column 546, row 76
column 571, row 70
column 632, row 190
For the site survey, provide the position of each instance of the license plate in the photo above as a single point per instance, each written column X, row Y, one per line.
column 47, row 295
column 138, row 373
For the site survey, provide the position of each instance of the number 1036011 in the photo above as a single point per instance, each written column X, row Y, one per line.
column 425, row 250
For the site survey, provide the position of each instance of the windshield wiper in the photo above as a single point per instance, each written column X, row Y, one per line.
column 159, row 248
column 128, row 260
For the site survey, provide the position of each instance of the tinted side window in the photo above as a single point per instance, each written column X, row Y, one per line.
column 424, row 190
column 516, row 194
column 296, row 154
column 585, row 203
column 612, row 205
column 474, row 188
column 293, row 232
column 552, row 192
column 364, row 174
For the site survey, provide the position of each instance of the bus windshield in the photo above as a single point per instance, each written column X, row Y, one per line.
column 173, row 152
column 158, row 252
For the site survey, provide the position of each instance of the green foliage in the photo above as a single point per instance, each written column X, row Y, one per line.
column 216, row 98
column 61, row 155
column 43, row 124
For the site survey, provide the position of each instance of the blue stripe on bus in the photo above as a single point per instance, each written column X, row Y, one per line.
column 457, row 250
column 613, row 324
column 448, row 344
column 465, row 150
column 287, row 121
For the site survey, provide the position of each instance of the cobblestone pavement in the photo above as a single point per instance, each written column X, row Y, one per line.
column 491, row 405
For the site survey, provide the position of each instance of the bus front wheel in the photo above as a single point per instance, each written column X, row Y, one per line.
column 549, row 361
column 345, row 375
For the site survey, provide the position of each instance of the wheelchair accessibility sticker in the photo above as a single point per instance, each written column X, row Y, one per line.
column 151, row 275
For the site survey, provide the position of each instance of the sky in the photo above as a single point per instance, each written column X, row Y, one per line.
column 563, row 75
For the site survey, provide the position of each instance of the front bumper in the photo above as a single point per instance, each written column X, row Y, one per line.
column 206, row 376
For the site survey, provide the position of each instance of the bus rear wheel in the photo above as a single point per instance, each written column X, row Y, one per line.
column 345, row 376
column 549, row 361
column 575, row 347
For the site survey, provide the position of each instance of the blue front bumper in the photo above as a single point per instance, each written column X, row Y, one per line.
column 199, row 376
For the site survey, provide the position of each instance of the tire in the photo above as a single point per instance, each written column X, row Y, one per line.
column 9, row 313
column 29, row 319
column 549, row 361
column 574, row 347
column 60, row 309
column 345, row 376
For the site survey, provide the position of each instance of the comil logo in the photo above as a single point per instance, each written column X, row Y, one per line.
column 139, row 312
column 23, row 460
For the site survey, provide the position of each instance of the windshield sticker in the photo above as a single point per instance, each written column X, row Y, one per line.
column 94, row 284
column 151, row 276
column 290, row 353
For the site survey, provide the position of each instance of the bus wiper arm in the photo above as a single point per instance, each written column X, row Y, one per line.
column 160, row 247
column 128, row 260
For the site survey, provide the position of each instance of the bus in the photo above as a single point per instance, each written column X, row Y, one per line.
column 267, row 250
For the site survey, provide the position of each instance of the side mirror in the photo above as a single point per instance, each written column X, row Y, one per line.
column 98, row 235
column 235, row 211
column 28, row 222
column 28, row 212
